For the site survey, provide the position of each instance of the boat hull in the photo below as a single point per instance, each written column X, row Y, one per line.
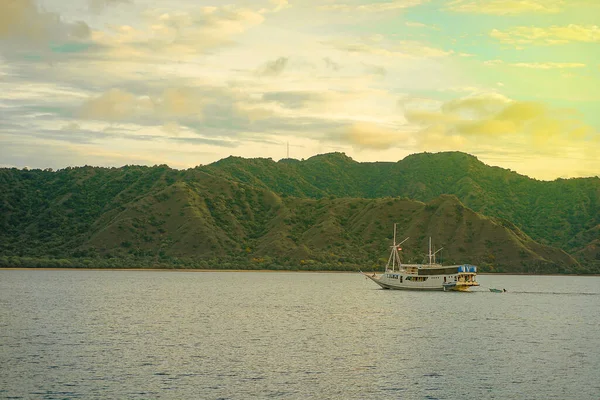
column 435, row 283
column 431, row 276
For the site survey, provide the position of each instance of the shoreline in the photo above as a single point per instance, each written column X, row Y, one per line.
column 254, row 270
column 171, row 270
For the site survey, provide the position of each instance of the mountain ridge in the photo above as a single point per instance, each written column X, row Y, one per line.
column 239, row 210
column 490, row 190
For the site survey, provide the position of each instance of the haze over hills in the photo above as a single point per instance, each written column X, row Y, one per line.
column 326, row 212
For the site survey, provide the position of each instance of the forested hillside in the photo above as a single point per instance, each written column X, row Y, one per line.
column 327, row 212
column 564, row 213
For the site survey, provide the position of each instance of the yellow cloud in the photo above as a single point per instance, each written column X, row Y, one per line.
column 548, row 36
column 172, row 109
column 506, row 7
column 114, row 105
column 180, row 102
column 477, row 106
column 367, row 135
column 494, row 120
column 201, row 28
column 437, row 138
column 119, row 105
column 374, row 7
column 521, row 111
column 177, row 35
column 487, row 127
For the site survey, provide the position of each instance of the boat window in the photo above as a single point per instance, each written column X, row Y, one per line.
column 417, row 278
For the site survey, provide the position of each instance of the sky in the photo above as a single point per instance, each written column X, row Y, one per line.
column 188, row 82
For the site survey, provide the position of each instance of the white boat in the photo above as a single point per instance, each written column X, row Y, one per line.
column 432, row 276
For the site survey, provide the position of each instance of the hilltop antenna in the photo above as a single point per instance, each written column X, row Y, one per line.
column 288, row 149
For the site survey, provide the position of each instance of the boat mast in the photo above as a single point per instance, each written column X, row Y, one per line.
column 395, row 251
column 392, row 259
column 437, row 251
column 432, row 255
column 394, row 256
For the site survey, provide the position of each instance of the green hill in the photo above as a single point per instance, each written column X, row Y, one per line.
column 327, row 212
column 557, row 213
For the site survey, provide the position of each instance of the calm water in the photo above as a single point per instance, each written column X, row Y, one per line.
column 226, row 335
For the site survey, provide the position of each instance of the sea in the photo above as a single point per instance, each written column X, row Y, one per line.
column 123, row 334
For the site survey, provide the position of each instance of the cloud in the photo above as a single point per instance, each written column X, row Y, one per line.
column 98, row 6
column 216, row 22
column 493, row 62
column 176, row 35
column 379, row 46
column 476, row 106
column 333, row 105
column 368, row 135
column 280, row 5
column 273, row 68
column 22, row 22
column 180, row 102
column 413, row 24
column 455, row 111
column 316, row 100
column 206, row 141
column 198, row 108
column 548, row 65
column 536, row 65
column 418, row 49
column 294, row 100
column 71, row 126
column 506, row 7
column 425, row 117
column 552, row 35
column 373, row 7
column 115, row 105
column 495, row 120
column 467, row 89
column 372, row 69
column 172, row 128
column 332, row 64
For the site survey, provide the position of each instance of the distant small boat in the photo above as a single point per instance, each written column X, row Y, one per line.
column 497, row 290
